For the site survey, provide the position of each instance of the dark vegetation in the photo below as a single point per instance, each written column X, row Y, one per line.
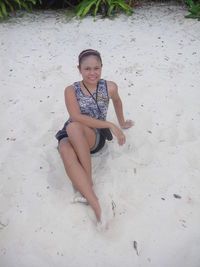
column 81, row 8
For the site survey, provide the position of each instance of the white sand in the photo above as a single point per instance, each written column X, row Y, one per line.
column 154, row 57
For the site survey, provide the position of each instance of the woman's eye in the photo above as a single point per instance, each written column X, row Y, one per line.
column 89, row 69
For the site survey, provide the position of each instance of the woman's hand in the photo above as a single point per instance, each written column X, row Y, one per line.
column 127, row 124
column 118, row 133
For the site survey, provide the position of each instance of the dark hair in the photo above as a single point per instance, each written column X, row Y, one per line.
column 88, row 52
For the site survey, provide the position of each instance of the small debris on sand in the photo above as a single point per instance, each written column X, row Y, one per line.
column 135, row 247
column 177, row 196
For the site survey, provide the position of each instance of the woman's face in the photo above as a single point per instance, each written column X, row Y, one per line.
column 90, row 69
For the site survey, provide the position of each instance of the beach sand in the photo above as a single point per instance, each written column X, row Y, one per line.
column 149, row 187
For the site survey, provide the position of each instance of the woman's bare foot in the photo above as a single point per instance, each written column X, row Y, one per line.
column 78, row 198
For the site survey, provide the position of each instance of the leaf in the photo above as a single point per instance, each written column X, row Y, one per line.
column 18, row 2
column 87, row 9
column 10, row 6
column 3, row 9
column 25, row 6
column 124, row 6
column 33, row 1
column 110, row 9
column 192, row 16
column 81, row 7
column 194, row 9
column 97, row 7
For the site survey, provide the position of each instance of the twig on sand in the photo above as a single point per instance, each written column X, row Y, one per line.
column 113, row 208
column 135, row 247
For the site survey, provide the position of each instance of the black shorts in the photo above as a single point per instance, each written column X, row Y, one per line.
column 99, row 143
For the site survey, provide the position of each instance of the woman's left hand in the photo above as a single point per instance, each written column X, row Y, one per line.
column 127, row 124
column 118, row 133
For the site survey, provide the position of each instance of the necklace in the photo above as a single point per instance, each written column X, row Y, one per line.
column 92, row 94
column 90, row 91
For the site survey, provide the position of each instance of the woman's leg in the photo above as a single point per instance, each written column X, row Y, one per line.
column 78, row 174
column 82, row 139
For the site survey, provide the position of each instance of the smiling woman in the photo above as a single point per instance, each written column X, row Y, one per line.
column 90, row 65
column 87, row 129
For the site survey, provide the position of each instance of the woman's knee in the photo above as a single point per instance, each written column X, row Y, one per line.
column 78, row 131
column 67, row 153
column 74, row 128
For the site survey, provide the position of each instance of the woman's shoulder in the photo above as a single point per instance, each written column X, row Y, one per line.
column 111, row 84
column 112, row 88
column 72, row 87
column 68, row 88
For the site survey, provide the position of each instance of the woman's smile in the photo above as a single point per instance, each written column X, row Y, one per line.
column 90, row 69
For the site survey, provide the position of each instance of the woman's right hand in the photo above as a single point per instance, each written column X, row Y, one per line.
column 118, row 133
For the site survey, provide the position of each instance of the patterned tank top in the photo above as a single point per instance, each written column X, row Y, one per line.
column 87, row 103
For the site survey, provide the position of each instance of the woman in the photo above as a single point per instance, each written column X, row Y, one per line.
column 87, row 129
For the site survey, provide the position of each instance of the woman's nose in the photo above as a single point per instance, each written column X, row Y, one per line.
column 92, row 71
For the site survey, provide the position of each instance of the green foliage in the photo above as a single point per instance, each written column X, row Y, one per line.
column 84, row 7
column 12, row 5
column 54, row 4
column 105, row 7
column 194, row 9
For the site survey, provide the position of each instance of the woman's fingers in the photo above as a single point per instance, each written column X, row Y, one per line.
column 128, row 124
column 119, row 135
column 122, row 140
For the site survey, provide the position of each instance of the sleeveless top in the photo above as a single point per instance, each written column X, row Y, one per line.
column 88, row 104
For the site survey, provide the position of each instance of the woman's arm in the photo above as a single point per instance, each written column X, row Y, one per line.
column 113, row 94
column 75, row 114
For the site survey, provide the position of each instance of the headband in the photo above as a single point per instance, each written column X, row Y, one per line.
column 87, row 53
